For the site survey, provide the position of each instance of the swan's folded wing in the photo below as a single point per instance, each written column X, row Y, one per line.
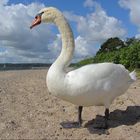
column 97, row 75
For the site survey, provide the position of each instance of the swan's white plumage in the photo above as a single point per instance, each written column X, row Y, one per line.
column 95, row 84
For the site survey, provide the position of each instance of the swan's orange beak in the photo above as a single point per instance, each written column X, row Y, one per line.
column 36, row 21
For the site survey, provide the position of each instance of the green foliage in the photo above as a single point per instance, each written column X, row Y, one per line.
column 85, row 61
column 111, row 44
column 128, row 54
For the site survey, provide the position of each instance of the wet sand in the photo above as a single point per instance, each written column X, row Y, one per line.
column 27, row 111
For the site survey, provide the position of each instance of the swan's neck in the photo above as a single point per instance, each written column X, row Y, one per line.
column 66, row 54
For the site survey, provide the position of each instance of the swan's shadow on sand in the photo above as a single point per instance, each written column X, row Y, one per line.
column 130, row 116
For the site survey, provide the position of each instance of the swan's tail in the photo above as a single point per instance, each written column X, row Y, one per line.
column 133, row 76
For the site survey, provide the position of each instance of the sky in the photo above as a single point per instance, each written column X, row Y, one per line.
column 92, row 22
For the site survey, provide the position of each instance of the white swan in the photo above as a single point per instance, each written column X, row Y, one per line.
column 95, row 84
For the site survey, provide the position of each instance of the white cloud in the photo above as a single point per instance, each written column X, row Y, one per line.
column 134, row 7
column 137, row 36
column 94, row 29
column 56, row 47
column 84, row 48
column 97, row 26
column 81, row 45
column 89, row 3
column 3, row 2
column 22, row 44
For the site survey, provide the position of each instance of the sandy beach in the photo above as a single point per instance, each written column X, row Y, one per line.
column 27, row 111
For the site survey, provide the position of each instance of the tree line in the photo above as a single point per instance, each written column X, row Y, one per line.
column 117, row 51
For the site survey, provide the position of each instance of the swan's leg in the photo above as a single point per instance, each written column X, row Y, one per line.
column 80, row 108
column 106, row 117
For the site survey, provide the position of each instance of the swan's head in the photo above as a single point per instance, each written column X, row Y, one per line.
column 45, row 15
